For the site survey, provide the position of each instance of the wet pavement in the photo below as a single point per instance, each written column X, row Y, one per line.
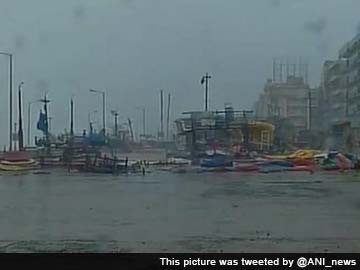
column 165, row 212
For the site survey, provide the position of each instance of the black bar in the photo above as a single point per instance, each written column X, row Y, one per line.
column 181, row 261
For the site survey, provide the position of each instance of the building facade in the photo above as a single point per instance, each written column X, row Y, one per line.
column 340, row 98
column 288, row 100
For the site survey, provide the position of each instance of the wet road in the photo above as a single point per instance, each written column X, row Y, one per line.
column 163, row 212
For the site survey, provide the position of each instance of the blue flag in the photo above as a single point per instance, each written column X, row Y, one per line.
column 42, row 124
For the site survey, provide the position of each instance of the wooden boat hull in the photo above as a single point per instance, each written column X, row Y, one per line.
column 13, row 168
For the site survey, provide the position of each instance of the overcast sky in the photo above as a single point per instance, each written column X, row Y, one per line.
column 133, row 48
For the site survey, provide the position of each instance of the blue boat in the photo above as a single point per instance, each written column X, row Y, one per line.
column 216, row 162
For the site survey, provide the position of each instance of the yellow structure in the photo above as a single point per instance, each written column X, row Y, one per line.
column 261, row 134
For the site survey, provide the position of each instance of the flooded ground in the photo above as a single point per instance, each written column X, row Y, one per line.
column 164, row 212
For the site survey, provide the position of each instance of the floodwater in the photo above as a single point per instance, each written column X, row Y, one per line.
column 165, row 212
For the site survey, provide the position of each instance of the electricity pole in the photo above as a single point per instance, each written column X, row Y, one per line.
column 20, row 132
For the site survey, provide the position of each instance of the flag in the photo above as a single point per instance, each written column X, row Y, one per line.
column 202, row 80
column 42, row 124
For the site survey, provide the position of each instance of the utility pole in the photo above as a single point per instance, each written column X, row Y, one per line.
column 20, row 132
column 104, row 111
column 205, row 79
column 161, row 114
column 168, row 117
column 11, row 93
column 71, row 117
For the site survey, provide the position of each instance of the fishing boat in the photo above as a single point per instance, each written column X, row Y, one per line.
column 216, row 159
column 17, row 161
column 216, row 163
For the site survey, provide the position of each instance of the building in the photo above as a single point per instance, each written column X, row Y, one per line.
column 333, row 92
column 350, row 54
column 340, row 98
column 286, row 102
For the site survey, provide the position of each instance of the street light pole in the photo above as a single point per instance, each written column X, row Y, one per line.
column 103, row 99
column 10, row 55
column 20, row 133
column 103, row 105
column 205, row 79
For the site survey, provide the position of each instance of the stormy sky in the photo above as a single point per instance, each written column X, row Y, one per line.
column 134, row 48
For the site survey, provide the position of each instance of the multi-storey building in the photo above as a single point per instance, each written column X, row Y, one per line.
column 350, row 53
column 333, row 93
column 340, row 98
column 285, row 100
